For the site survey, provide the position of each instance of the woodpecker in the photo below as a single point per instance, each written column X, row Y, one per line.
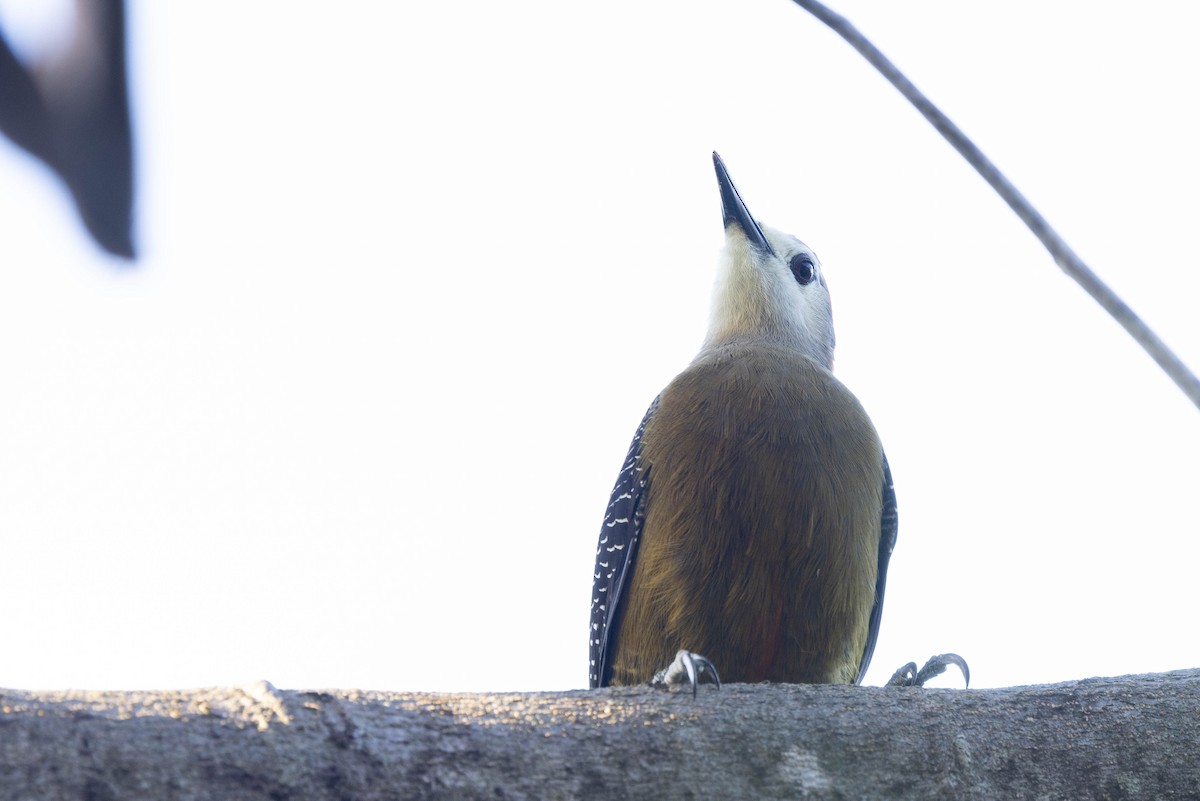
column 752, row 522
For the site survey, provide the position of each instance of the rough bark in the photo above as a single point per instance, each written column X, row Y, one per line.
column 1123, row 738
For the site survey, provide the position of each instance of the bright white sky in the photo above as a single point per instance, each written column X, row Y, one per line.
column 411, row 277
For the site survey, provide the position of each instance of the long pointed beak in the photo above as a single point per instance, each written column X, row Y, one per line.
column 735, row 211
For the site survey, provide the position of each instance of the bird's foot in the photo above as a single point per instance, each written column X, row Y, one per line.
column 688, row 668
column 909, row 676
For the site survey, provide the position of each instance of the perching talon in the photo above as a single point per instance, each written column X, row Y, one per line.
column 909, row 676
column 688, row 668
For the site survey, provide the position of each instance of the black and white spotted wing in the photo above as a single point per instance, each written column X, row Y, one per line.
column 887, row 541
column 615, row 553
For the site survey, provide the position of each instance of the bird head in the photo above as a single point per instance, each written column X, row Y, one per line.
column 770, row 287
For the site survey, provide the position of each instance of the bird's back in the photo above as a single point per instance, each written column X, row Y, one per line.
column 762, row 523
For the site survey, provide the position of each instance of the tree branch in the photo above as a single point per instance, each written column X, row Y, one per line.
column 1064, row 256
column 1130, row 737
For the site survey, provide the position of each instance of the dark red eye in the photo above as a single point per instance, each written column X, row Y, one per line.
column 803, row 268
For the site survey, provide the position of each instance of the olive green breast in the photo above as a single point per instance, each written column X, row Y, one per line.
column 761, row 537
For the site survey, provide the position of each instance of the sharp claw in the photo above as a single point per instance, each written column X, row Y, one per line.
column 693, row 666
column 909, row 676
column 689, row 665
column 904, row 677
column 937, row 665
column 706, row 665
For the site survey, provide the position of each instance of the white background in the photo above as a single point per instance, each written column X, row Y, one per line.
column 412, row 272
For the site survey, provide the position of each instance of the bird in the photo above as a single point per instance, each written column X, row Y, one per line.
column 71, row 111
column 750, row 527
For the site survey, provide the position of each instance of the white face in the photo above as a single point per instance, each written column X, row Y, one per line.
column 782, row 298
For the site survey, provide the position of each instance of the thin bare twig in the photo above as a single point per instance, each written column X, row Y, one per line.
column 1064, row 256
